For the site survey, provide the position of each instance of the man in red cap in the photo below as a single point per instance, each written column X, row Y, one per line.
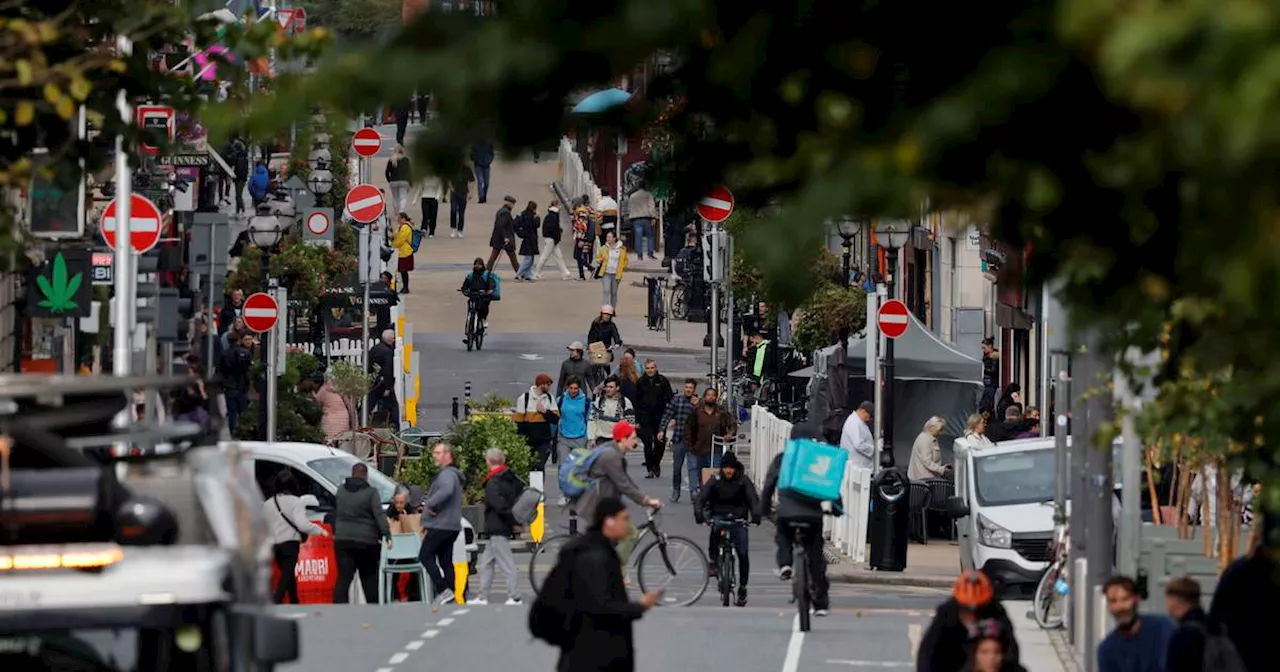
column 609, row 479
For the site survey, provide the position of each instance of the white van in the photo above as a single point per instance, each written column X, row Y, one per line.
column 1004, row 509
column 320, row 470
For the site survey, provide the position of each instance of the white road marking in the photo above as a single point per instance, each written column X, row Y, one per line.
column 414, row 645
column 914, row 632
column 791, row 663
column 294, row 615
column 398, row 658
column 384, row 669
column 445, row 621
column 872, row 663
column 460, row 612
column 430, row 634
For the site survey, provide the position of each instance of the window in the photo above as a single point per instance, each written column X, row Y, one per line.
column 337, row 469
column 264, row 471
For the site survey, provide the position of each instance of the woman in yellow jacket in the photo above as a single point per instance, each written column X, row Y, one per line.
column 403, row 243
column 611, row 261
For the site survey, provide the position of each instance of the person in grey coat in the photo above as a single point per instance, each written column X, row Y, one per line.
column 442, row 522
column 359, row 524
column 609, row 473
column 575, row 365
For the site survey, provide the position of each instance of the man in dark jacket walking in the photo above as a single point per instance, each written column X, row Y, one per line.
column 1243, row 602
column 442, row 522
column 359, row 524
column 234, row 367
column 503, row 238
column 707, row 423
column 1187, row 644
column 501, row 490
column 383, row 392
column 653, row 393
column 575, row 366
column 551, row 235
column 601, row 639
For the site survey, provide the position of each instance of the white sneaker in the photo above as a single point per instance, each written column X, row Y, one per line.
column 537, row 276
column 480, row 601
column 486, row 324
column 461, row 235
column 446, row 597
column 453, row 233
column 512, row 602
column 820, row 613
column 784, row 573
column 563, row 501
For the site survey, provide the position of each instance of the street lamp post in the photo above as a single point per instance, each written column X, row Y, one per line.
column 265, row 231
column 892, row 234
column 846, row 244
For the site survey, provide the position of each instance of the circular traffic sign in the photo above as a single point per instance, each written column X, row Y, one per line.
column 260, row 312
column 144, row 224
column 318, row 223
column 366, row 142
column 893, row 318
column 716, row 205
column 365, row 203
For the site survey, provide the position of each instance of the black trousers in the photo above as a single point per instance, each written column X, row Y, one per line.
column 436, row 556
column 457, row 212
column 541, row 452
column 653, row 448
column 430, row 210
column 496, row 252
column 817, row 564
column 355, row 557
column 740, row 546
column 286, row 555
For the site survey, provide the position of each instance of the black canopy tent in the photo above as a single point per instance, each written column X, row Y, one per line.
column 932, row 378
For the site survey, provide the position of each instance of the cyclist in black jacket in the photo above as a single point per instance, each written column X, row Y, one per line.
column 729, row 498
column 797, row 509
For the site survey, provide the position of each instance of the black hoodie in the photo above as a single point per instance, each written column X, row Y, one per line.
column 728, row 497
column 359, row 516
column 943, row 648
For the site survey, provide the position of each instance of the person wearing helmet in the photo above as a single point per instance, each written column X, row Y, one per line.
column 987, row 653
column 943, row 647
column 797, row 509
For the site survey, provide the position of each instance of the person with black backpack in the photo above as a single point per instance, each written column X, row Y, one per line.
column 1197, row 645
column 583, row 608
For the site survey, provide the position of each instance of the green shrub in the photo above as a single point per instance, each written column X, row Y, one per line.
column 470, row 440
column 297, row 414
column 831, row 308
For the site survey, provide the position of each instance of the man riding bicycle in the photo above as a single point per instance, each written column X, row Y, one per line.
column 795, row 513
column 480, row 285
column 729, row 500
column 944, row 645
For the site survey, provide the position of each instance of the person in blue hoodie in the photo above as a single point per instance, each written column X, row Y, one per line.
column 259, row 182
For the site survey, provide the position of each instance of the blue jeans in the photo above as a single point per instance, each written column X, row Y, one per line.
column 696, row 464
column 644, row 232
column 526, row 267
column 482, row 182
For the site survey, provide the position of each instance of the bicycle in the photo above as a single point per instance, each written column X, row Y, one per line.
column 727, row 560
column 474, row 330
column 671, row 563
column 1050, row 597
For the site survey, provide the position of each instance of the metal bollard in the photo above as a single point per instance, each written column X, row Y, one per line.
column 455, row 408
column 466, row 394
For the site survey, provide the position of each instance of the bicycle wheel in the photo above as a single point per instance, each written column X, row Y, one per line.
column 725, row 566
column 679, row 310
column 471, row 330
column 1048, row 603
column 479, row 337
column 544, row 558
column 676, row 566
column 800, row 584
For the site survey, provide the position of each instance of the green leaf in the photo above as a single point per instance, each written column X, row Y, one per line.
column 59, row 291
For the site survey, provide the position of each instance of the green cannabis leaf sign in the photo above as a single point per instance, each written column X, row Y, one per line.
column 58, row 289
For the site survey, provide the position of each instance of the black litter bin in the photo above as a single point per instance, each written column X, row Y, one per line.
column 890, row 521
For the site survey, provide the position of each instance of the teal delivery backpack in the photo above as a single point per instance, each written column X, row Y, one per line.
column 812, row 469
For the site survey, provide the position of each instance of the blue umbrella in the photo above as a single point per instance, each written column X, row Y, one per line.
column 601, row 101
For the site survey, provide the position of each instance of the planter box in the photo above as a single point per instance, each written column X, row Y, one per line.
column 474, row 513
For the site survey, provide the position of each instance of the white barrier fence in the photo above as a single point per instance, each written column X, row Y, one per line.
column 574, row 177
column 848, row 533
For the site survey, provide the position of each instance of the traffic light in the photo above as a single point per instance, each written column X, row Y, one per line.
column 156, row 305
column 713, row 255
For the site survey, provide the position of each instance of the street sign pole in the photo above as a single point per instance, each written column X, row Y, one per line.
column 122, row 351
column 886, row 377
column 730, row 343
column 271, row 344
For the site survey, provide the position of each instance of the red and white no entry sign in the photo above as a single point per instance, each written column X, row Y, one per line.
column 144, row 224
column 716, row 205
column 893, row 318
column 260, row 312
column 366, row 142
column 365, row 203
column 318, row 223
